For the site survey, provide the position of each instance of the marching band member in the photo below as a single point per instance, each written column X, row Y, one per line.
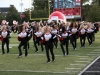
column 23, row 41
column 73, row 35
column 82, row 35
column 5, row 35
column 64, row 41
column 38, row 35
column 55, row 31
column 93, row 33
column 89, row 34
column 48, row 43
column 29, row 31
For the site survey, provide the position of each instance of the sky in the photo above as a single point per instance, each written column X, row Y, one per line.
column 16, row 3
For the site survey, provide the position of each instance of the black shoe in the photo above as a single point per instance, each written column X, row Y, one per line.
column 25, row 55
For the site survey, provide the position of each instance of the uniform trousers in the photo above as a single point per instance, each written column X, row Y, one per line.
column 64, row 42
column 23, row 43
column 82, row 39
column 36, row 42
column 89, row 38
column 55, row 42
column 49, row 47
column 5, row 41
column 73, row 39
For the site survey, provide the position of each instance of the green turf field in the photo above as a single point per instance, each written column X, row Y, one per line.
column 35, row 63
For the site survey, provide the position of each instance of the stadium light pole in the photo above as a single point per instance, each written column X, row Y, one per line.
column 21, row 4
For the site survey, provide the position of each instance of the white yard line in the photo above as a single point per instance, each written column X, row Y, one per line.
column 32, row 71
column 83, row 56
column 82, row 61
column 41, row 55
column 97, row 50
column 78, row 64
column 72, row 68
column 93, row 54
column 88, row 66
column 85, row 59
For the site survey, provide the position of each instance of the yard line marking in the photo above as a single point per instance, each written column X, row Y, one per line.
column 92, row 47
column 83, row 56
column 73, row 68
column 93, row 54
column 96, row 50
column 78, row 64
column 85, row 59
column 40, row 55
column 31, row 71
column 88, row 66
column 13, row 44
column 82, row 61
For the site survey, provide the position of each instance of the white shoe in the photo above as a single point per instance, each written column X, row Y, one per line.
column 75, row 49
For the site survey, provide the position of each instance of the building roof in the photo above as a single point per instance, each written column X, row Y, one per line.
column 4, row 9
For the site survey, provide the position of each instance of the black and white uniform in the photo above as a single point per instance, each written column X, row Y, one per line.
column 49, row 46
column 5, row 40
column 93, row 33
column 64, row 41
column 29, row 31
column 37, row 40
column 23, row 42
column 82, row 37
column 56, row 39
column 73, row 37
column 34, row 28
column 89, row 35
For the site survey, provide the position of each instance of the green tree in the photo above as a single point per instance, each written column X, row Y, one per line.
column 2, row 17
column 41, row 9
column 85, row 11
column 13, row 15
column 94, row 14
column 96, row 2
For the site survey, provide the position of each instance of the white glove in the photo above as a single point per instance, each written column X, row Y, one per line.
column 42, row 38
column 28, row 35
column 59, row 36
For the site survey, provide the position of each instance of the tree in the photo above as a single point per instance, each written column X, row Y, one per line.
column 41, row 9
column 85, row 11
column 96, row 2
column 13, row 15
column 2, row 17
column 94, row 14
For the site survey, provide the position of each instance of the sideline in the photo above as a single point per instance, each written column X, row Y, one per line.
column 89, row 66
